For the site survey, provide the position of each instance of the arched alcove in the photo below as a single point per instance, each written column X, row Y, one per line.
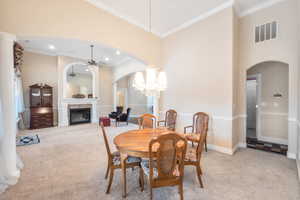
column 274, row 101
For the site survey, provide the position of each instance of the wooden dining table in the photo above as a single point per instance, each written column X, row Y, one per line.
column 135, row 143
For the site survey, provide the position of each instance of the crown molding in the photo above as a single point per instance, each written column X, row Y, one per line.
column 129, row 19
column 229, row 3
column 260, row 6
column 200, row 17
column 203, row 16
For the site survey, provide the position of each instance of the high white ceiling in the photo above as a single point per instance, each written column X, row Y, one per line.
column 74, row 48
column 171, row 15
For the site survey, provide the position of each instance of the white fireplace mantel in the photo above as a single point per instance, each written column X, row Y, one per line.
column 64, row 109
column 63, row 102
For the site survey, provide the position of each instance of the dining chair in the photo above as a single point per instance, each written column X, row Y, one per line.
column 199, row 126
column 114, row 160
column 165, row 166
column 170, row 120
column 147, row 121
column 193, row 155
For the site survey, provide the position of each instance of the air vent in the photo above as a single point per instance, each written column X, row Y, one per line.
column 266, row 31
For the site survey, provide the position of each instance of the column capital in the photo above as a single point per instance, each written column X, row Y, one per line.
column 7, row 36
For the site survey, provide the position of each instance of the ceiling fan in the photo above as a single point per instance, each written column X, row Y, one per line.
column 92, row 61
column 72, row 74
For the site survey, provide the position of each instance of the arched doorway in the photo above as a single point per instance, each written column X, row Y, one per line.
column 267, row 106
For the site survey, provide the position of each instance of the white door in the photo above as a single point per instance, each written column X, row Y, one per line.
column 251, row 107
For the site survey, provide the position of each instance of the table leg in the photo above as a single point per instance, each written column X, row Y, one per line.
column 123, row 165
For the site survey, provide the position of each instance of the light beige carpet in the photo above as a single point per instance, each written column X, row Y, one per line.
column 69, row 164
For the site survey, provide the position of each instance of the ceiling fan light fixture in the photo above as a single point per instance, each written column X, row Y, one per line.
column 72, row 74
column 92, row 61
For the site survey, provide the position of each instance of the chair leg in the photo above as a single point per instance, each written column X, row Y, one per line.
column 180, row 188
column 142, row 179
column 107, row 170
column 111, row 176
column 199, row 175
column 200, row 170
column 151, row 192
column 205, row 145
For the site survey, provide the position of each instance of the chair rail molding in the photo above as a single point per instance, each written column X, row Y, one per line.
column 217, row 122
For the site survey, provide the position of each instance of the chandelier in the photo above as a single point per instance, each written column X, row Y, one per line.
column 155, row 81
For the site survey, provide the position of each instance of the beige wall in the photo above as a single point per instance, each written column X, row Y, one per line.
column 199, row 65
column 273, row 111
column 136, row 100
column 283, row 49
column 298, row 8
column 236, row 120
column 77, row 19
column 106, row 90
column 38, row 68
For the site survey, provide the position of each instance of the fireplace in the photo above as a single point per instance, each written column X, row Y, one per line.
column 80, row 115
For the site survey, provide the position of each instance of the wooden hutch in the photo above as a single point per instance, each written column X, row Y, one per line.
column 41, row 110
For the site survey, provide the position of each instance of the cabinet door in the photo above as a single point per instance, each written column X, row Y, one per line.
column 47, row 97
column 35, row 97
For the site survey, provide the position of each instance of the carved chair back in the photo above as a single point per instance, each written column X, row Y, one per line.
column 147, row 121
column 200, row 126
column 166, row 154
column 170, row 119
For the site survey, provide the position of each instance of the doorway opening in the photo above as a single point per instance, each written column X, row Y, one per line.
column 267, row 98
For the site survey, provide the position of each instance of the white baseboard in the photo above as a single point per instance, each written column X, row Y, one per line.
column 273, row 140
column 3, row 184
column 226, row 150
column 291, row 155
column 7, row 181
column 220, row 149
column 242, row 145
column 239, row 145
column 298, row 166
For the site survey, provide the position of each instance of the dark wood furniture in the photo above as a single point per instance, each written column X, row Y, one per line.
column 41, row 111
column 119, row 111
column 114, row 161
column 124, row 117
column 166, row 162
column 135, row 143
column 199, row 126
column 193, row 155
column 170, row 120
column 147, row 121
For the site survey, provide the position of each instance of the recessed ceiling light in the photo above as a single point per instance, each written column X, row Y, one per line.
column 118, row 52
column 51, row 47
column 87, row 70
column 106, row 59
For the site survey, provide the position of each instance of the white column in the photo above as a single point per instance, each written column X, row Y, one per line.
column 115, row 88
column 8, row 159
column 156, row 107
